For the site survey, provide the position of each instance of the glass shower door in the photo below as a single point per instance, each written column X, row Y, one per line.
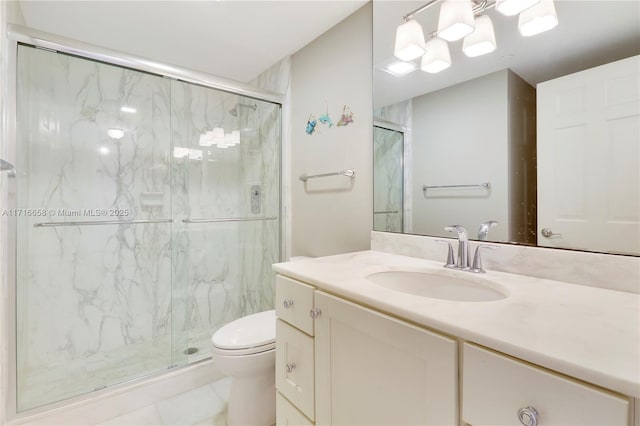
column 226, row 181
column 94, row 289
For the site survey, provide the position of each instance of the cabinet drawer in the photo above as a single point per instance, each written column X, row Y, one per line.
column 288, row 415
column 495, row 387
column 294, row 367
column 294, row 300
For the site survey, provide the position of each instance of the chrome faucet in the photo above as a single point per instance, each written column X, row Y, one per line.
column 484, row 229
column 462, row 261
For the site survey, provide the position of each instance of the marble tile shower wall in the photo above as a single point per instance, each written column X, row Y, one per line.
column 98, row 305
column 227, row 263
column 387, row 180
column 401, row 114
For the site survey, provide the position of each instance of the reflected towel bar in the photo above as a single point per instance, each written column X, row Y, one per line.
column 485, row 185
column 101, row 222
column 387, row 212
column 228, row 219
column 348, row 173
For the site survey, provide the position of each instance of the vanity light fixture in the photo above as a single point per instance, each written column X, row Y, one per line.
column 482, row 40
column 409, row 40
column 456, row 20
column 437, row 57
column 537, row 19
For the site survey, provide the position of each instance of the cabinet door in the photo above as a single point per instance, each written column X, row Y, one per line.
column 294, row 367
column 372, row 369
column 288, row 415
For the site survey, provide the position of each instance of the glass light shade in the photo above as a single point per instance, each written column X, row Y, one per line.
column 180, row 152
column 235, row 136
column 538, row 19
column 456, row 19
column 482, row 40
column 409, row 41
column 513, row 7
column 206, row 139
column 437, row 57
column 115, row 133
column 217, row 136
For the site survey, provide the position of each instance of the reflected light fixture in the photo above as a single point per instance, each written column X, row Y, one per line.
column 115, row 133
column 538, row 19
column 399, row 68
column 409, row 41
column 456, row 19
column 437, row 57
column 128, row 109
column 513, row 7
column 482, row 40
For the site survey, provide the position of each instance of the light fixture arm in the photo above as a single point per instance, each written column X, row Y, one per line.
column 479, row 7
column 419, row 10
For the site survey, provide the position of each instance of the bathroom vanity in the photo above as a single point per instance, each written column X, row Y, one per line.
column 354, row 349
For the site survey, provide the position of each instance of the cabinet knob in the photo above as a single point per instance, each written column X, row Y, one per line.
column 287, row 303
column 290, row 367
column 528, row 416
column 315, row 313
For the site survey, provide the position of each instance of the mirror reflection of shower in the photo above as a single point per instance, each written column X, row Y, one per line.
column 234, row 111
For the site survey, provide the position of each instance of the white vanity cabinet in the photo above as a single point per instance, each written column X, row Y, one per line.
column 367, row 368
column 295, row 375
column 372, row 369
column 353, row 365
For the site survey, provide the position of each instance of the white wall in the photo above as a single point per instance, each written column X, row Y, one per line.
column 460, row 136
column 335, row 214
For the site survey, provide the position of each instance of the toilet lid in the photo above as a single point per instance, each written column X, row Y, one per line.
column 247, row 332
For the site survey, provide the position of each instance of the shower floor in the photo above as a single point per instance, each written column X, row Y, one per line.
column 205, row 405
column 67, row 379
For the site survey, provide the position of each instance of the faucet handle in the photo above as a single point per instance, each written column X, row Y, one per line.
column 484, row 229
column 458, row 229
column 477, row 260
column 450, row 259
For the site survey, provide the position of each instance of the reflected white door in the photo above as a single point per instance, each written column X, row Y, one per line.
column 589, row 158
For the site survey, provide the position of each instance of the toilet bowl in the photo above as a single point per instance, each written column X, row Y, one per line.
column 244, row 349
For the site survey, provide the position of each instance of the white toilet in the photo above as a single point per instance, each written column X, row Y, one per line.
column 245, row 350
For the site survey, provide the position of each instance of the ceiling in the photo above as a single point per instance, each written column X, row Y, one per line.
column 589, row 33
column 227, row 38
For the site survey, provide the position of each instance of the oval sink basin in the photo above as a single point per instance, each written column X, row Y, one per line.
column 436, row 286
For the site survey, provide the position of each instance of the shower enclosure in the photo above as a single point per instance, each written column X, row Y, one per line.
column 147, row 215
column 388, row 179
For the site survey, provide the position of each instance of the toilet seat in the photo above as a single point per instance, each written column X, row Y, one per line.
column 248, row 335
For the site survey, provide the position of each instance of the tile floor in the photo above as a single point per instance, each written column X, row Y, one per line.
column 206, row 405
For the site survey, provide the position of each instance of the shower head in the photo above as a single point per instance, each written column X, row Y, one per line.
column 234, row 111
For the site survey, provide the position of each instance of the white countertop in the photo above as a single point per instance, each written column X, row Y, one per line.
column 585, row 332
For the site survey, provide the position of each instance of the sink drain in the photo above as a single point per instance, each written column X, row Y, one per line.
column 190, row 351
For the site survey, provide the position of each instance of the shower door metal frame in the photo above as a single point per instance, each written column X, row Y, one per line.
column 17, row 34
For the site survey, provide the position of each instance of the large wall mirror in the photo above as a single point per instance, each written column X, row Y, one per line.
column 536, row 142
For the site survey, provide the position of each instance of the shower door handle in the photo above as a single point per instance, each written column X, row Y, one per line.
column 101, row 222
